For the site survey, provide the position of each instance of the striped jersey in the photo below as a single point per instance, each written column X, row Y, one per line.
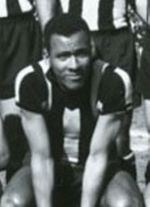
column 99, row 14
column 142, row 9
column 69, row 117
column 14, row 7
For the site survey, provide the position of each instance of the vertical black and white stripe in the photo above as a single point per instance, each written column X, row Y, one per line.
column 100, row 14
column 14, row 7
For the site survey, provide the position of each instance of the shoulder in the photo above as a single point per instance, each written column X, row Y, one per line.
column 114, row 89
column 29, row 74
column 119, row 81
column 108, row 74
column 32, row 87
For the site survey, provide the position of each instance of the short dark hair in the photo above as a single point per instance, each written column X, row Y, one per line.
column 65, row 24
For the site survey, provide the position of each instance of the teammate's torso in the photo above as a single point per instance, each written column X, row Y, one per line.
column 10, row 8
column 101, row 14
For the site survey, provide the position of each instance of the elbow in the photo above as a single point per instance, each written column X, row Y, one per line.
column 97, row 154
column 41, row 153
column 12, row 200
column 97, row 158
column 40, row 156
column 40, row 159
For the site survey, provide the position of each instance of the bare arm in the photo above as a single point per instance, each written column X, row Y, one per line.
column 4, row 149
column 41, row 160
column 46, row 10
column 105, row 133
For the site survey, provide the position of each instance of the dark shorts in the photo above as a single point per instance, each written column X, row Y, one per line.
column 117, row 48
column 68, row 186
column 21, row 44
column 144, row 73
column 69, row 180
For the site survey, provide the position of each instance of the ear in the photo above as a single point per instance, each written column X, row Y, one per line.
column 45, row 53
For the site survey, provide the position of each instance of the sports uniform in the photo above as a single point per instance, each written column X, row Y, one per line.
column 69, row 118
column 144, row 74
column 20, row 41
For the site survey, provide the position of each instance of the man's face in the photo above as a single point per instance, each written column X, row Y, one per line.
column 70, row 59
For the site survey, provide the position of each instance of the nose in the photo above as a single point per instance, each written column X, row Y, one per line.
column 73, row 63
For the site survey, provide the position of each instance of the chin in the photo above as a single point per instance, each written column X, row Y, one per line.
column 75, row 87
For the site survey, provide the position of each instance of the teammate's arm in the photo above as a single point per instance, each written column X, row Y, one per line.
column 4, row 149
column 46, row 10
column 106, row 130
column 41, row 159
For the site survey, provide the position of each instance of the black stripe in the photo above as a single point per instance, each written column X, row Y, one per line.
column 105, row 14
column 13, row 7
column 75, row 7
column 40, row 74
column 132, row 3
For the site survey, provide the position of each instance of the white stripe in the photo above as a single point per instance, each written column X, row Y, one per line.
column 141, row 6
column 119, row 14
column 104, row 67
column 19, row 79
column 65, row 5
column 49, row 86
column 129, row 156
column 127, row 84
column 3, row 8
column 45, row 65
column 25, row 5
column 90, row 13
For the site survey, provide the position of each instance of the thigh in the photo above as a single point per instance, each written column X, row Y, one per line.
column 122, row 191
column 19, row 191
column 147, row 196
column 146, row 103
column 4, row 149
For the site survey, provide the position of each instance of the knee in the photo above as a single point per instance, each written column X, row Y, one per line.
column 147, row 196
column 119, row 202
column 124, row 201
column 12, row 200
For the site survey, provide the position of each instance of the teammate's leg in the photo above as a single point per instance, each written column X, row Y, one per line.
column 19, row 190
column 122, row 191
column 4, row 149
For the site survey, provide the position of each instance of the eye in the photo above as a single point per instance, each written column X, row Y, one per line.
column 63, row 56
column 82, row 53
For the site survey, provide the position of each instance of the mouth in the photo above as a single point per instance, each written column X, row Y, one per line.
column 74, row 77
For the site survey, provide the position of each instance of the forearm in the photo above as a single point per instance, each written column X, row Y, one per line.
column 104, row 135
column 46, row 10
column 41, row 160
column 43, row 179
column 93, row 180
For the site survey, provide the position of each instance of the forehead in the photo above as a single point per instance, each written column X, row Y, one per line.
column 75, row 41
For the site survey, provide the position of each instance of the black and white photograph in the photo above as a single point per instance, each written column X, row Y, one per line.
column 74, row 103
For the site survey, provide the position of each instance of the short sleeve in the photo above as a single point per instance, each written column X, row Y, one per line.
column 115, row 92
column 31, row 93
